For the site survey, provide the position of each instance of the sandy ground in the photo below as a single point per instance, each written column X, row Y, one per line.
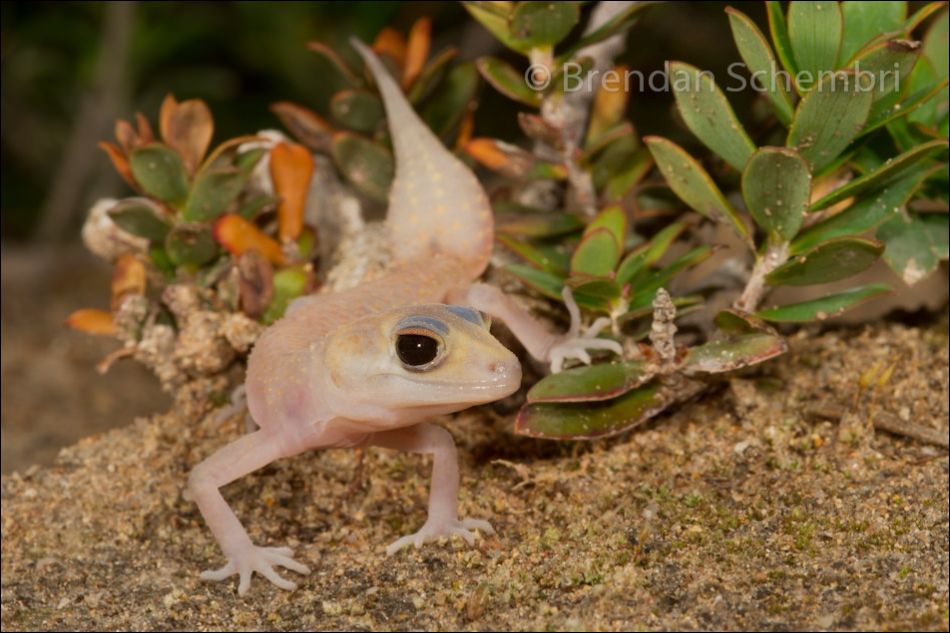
column 740, row 510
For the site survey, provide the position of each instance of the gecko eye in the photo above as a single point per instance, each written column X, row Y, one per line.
column 418, row 349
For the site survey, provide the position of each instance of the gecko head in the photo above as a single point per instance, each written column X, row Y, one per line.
column 436, row 357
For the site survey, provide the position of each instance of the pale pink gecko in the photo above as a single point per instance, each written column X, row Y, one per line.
column 367, row 366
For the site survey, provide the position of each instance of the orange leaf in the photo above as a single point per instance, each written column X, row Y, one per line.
column 125, row 134
column 417, row 51
column 487, row 152
column 187, row 128
column 91, row 321
column 119, row 161
column 291, row 167
column 239, row 235
column 610, row 104
column 391, row 42
column 466, row 127
column 145, row 129
column 306, row 125
column 128, row 277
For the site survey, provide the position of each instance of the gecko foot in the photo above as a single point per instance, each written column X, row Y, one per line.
column 574, row 344
column 261, row 560
column 432, row 531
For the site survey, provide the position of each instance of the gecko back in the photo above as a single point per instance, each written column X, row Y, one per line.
column 436, row 204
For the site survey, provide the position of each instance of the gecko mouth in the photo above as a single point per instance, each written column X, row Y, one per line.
column 504, row 382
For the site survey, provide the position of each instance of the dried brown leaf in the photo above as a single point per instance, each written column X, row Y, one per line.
column 307, row 126
column 187, row 127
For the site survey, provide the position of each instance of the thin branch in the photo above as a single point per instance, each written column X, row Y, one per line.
column 99, row 107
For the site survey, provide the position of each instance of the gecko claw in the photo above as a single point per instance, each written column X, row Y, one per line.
column 431, row 532
column 574, row 344
column 261, row 560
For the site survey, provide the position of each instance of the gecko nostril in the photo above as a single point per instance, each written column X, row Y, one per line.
column 497, row 368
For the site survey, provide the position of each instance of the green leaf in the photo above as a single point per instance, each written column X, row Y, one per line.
column 496, row 17
column 367, row 166
column 647, row 282
column 444, row 111
column 625, row 178
column 814, row 29
column 920, row 104
column 191, row 245
column 893, row 170
column 867, row 212
column 776, row 186
column 708, row 114
column 160, row 172
column 863, row 21
column 597, row 253
column 588, row 384
column 289, row 283
column 431, row 76
column 213, row 191
column 594, row 293
column 936, row 47
column 544, row 257
column 824, row 307
column 935, row 58
column 828, row 118
column 508, row 81
column 253, row 207
column 162, row 261
column 648, row 254
column 594, row 144
column 758, row 58
column 614, row 26
column 922, row 15
column 141, row 217
column 779, row 30
column 538, row 225
column 596, row 419
column 543, row 24
column 733, row 353
column 614, row 220
column 916, row 244
column 548, row 284
column 838, row 258
column 887, row 67
column 615, row 157
column 247, row 161
column 692, row 184
column 733, row 321
column 358, row 110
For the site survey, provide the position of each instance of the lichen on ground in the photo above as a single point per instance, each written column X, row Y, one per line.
column 739, row 510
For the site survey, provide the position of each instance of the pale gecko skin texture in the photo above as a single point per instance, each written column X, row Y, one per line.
column 328, row 374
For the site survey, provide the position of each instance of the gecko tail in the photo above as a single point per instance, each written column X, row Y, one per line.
column 436, row 204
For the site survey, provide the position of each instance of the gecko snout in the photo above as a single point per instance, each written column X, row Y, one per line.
column 507, row 370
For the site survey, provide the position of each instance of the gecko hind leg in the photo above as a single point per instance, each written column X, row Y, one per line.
column 443, row 519
column 239, row 458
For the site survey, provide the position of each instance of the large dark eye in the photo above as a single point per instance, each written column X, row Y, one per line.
column 416, row 350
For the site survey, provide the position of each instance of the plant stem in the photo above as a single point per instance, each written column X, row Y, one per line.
column 775, row 255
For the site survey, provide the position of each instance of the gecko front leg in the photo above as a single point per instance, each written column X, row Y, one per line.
column 537, row 339
column 235, row 460
column 443, row 519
